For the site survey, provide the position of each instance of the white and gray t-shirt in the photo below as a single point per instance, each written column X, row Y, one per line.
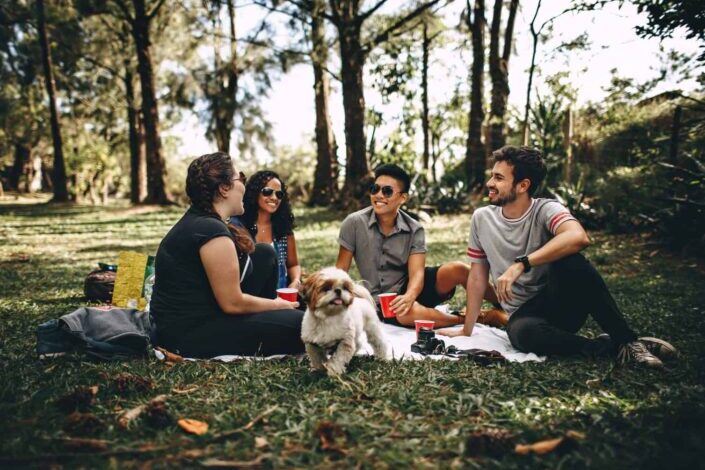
column 497, row 240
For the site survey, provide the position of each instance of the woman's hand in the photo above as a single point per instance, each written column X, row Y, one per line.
column 281, row 304
column 295, row 284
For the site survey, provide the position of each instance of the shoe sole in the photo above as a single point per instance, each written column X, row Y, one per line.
column 660, row 348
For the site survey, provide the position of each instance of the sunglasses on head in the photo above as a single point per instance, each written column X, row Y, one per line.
column 266, row 192
column 241, row 177
column 387, row 191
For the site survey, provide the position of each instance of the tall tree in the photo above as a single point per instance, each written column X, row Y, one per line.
column 61, row 193
column 139, row 18
column 475, row 157
column 325, row 181
column 348, row 18
column 499, row 71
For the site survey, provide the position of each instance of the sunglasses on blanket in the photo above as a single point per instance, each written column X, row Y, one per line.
column 387, row 191
column 267, row 192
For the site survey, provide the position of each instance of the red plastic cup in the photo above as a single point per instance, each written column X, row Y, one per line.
column 288, row 293
column 384, row 301
column 423, row 324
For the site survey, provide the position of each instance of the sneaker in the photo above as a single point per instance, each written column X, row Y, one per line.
column 660, row 348
column 636, row 351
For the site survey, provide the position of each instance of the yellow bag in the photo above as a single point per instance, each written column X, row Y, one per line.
column 133, row 269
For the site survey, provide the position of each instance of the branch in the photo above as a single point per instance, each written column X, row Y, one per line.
column 291, row 14
column 155, row 9
column 361, row 18
column 125, row 11
column 380, row 38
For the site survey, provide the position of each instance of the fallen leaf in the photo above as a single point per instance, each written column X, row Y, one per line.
column 126, row 382
column 130, row 415
column 219, row 463
column 81, row 396
column 328, row 433
column 157, row 415
column 653, row 253
column 260, row 442
column 564, row 443
column 80, row 444
column 193, row 426
column 184, row 391
column 593, row 383
column 170, row 357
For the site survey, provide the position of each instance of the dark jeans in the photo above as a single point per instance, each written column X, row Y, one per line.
column 262, row 333
column 547, row 323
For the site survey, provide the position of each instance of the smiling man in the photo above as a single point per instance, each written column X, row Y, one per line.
column 530, row 246
column 389, row 248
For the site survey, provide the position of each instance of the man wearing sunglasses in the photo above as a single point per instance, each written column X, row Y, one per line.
column 389, row 248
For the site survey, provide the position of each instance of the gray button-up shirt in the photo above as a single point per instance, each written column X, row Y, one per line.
column 383, row 261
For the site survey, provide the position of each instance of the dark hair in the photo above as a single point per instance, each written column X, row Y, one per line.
column 282, row 219
column 206, row 175
column 526, row 163
column 396, row 172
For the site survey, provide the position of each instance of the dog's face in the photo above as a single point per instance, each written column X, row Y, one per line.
column 329, row 291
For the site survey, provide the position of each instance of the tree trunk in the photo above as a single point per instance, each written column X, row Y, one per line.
column 61, row 193
column 568, row 145
column 22, row 154
column 325, row 181
column 535, row 37
column 225, row 103
column 352, row 60
column 138, row 162
column 475, row 153
column 424, row 94
column 499, row 72
column 675, row 133
column 156, row 168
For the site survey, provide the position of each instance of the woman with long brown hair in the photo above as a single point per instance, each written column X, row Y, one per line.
column 215, row 291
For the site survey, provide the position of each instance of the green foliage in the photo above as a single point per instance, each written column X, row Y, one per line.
column 386, row 415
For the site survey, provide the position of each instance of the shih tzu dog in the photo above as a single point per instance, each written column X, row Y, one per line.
column 338, row 312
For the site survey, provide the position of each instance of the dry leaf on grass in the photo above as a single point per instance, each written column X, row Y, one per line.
column 80, row 397
column 85, row 445
column 564, row 443
column 328, row 434
column 184, row 391
column 489, row 442
column 261, row 442
column 130, row 415
column 219, row 463
column 125, row 382
column 170, row 357
column 193, row 426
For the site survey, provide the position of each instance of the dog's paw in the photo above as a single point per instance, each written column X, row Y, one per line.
column 335, row 370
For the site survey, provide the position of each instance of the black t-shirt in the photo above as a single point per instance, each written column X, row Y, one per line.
column 182, row 296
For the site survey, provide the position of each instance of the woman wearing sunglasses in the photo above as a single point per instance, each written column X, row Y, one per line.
column 215, row 290
column 269, row 219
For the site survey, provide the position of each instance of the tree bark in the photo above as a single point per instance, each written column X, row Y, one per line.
column 475, row 153
column 499, row 72
column 535, row 37
column 325, row 181
column 225, row 103
column 61, row 193
column 675, row 134
column 157, row 192
column 22, row 154
column 424, row 97
column 138, row 161
column 352, row 59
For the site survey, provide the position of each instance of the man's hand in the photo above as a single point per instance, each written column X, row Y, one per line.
column 295, row 284
column 452, row 332
column 503, row 285
column 402, row 304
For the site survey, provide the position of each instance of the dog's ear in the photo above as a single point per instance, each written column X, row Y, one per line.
column 308, row 287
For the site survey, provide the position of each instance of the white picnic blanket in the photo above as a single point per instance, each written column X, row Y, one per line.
column 401, row 339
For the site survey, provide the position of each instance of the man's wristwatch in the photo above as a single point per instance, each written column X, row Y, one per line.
column 525, row 261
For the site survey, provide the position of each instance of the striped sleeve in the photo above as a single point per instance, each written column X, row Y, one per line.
column 555, row 215
column 475, row 251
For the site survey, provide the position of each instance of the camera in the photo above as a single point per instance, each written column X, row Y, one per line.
column 427, row 343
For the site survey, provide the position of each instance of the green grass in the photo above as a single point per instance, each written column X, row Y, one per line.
column 393, row 415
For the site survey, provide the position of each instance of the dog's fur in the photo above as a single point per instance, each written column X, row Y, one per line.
column 338, row 312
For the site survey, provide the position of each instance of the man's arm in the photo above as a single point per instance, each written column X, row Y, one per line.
column 477, row 284
column 570, row 238
column 403, row 303
column 344, row 260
